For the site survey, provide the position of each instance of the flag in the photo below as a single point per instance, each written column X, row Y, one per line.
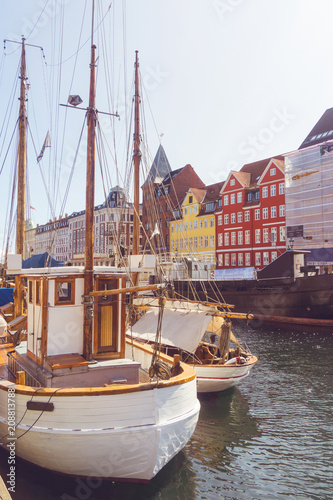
column 32, row 208
column 47, row 144
column 156, row 231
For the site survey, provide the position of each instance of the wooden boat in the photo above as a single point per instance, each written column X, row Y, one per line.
column 76, row 398
column 200, row 334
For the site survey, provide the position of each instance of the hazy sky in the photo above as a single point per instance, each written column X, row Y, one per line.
column 228, row 81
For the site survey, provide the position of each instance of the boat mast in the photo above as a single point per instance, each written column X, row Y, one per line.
column 136, row 160
column 89, row 216
column 22, row 151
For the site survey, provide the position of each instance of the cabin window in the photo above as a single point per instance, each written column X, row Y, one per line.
column 30, row 292
column 38, row 289
column 64, row 291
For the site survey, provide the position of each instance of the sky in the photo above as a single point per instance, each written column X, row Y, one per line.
column 226, row 82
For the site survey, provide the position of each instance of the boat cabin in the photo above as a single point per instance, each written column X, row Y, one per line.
column 53, row 353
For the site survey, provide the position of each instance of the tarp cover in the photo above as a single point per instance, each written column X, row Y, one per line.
column 182, row 328
column 41, row 260
column 6, row 296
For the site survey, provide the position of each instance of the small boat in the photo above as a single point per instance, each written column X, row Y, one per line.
column 200, row 334
column 76, row 397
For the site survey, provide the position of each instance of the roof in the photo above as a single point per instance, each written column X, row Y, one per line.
column 160, row 167
column 257, row 168
column 213, row 191
column 198, row 193
column 322, row 131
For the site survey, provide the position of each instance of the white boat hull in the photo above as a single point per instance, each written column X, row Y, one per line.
column 129, row 436
column 216, row 378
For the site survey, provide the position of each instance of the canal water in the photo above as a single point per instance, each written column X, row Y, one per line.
column 269, row 438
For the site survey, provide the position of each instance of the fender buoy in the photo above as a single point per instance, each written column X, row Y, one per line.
column 3, row 326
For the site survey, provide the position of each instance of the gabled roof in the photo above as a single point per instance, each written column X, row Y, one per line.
column 199, row 194
column 213, row 191
column 159, row 169
column 322, row 131
column 257, row 168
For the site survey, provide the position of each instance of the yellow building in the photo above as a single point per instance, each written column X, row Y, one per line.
column 192, row 231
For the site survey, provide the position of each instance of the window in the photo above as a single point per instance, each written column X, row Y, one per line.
column 265, row 237
column 226, row 259
column 211, row 241
column 195, row 242
column 273, row 234
column 272, row 172
column 281, row 188
column 233, row 259
column 195, row 224
column 226, row 239
column 64, row 291
column 247, row 216
column 190, row 210
column 212, row 222
column 257, row 214
column 265, row 258
column 240, row 217
column 240, row 237
column 265, row 213
column 200, row 241
column 256, row 195
column 233, row 218
column 265, row 192
column 232, row 199
column 249, row 196
column 233, row 238
column 282, row 233
column 191, row 243
column 195, row 209
column 273, row 212
column 176, row 228
column 226, row 218
column 240, row 260
column 185, row 211
column 210, row 206
column 220, row 240
column 172, row 245
column 247, row 237
column 200, row 224
column 239, row 197
column 219, row 220
column 172, row 228
column 282, row 210
column 181, row 244
column 232, row 182
column 190, row 225
column 206, row 222
column 185, row 243
column 258, row 259
column 225, row 200
column 273, row 189
column 274, row 255
column 220, row 259
column 206, row 241
column 185, row 226
column 180, row 226
column 257, row 235
column 190, row 199
column 247, row 259
column 219, row 203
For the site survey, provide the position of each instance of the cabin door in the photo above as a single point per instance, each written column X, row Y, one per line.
column 36, row 319
column 108, row 313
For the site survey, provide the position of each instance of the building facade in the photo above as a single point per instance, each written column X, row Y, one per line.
column 250, row 226
column 192, row 231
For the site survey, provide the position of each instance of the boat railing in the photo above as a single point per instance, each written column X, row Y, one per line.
column 14, row 366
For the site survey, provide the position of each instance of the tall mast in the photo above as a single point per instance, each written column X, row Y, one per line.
column 89, row 218
column 136, row 160
column 21, row 157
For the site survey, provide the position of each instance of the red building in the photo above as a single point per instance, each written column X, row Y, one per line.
column 250, row 227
